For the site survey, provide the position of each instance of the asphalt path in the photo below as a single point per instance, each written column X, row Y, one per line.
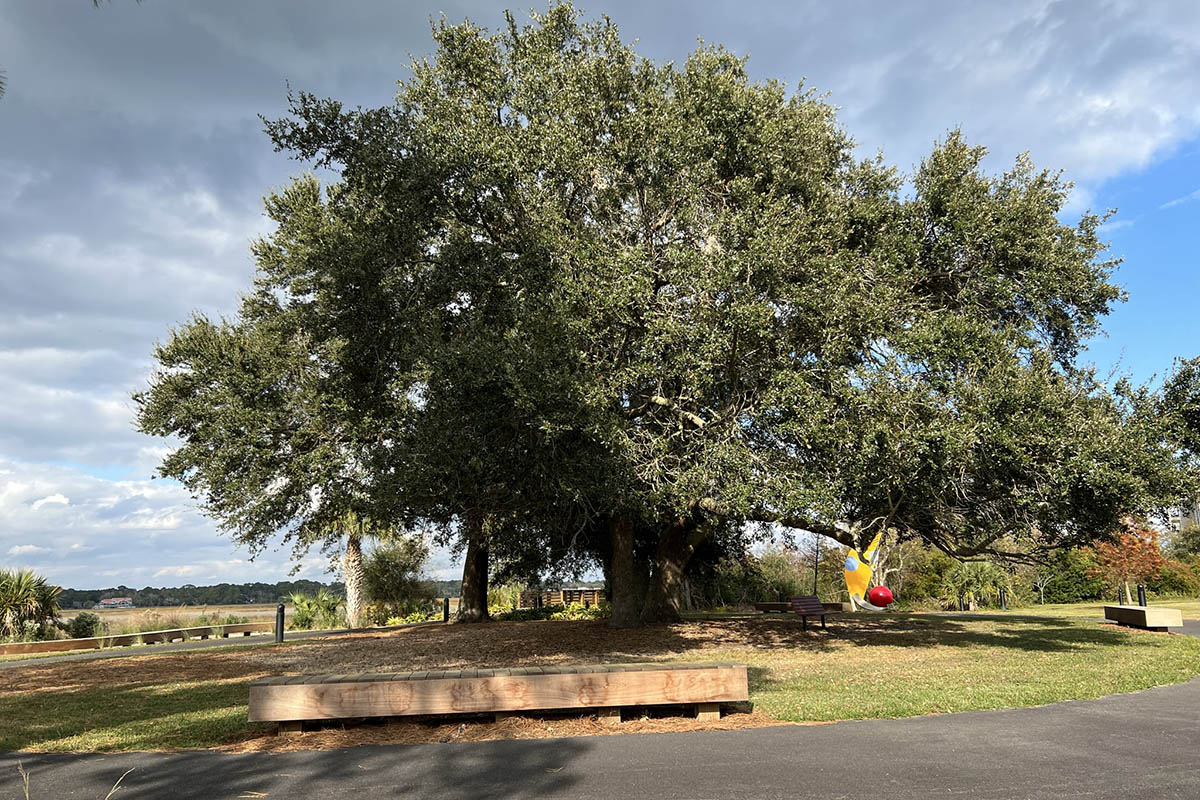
column 1139, row 745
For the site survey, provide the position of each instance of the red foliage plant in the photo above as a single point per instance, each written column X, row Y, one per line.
column 1134, row 555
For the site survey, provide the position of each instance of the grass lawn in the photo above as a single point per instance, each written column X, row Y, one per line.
column 863, row 667
column 1190, row 608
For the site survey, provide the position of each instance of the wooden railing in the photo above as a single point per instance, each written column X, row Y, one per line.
column 145, row 637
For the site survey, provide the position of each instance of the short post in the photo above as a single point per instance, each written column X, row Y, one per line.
column 445, row 609
column 1142, row 595
column 1003, row 599
column 279, row 624
column 960, row 603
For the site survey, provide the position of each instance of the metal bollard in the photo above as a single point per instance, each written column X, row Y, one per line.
column 279, row 623
column 445, row 609
column 1003, row 600
column 1142, row 595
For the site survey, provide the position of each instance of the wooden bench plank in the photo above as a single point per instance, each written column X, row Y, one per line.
column 300, row 699
column 1155, row 618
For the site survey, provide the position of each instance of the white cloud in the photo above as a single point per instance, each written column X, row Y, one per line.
column 1178, row 201
column 130, row 194
column 56, row 498
column 26, row 549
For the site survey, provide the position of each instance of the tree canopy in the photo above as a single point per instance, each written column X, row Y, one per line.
column 569, row 305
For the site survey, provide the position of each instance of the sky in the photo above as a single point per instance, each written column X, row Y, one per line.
column 133, row 166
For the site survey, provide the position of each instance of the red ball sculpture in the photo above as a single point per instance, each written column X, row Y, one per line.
column 880, row 596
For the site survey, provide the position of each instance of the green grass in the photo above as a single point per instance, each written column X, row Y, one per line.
column 914, row 665
column 865, row 667
column 139, row 717
column 1189, row 607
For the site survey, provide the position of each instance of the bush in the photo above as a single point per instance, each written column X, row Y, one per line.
column 526, row 614
column 392, row 580
column 410, row 619
column 85, row 625
column 578, row 611
column 318, row 611
column 1176, row 579
column 1073, row 582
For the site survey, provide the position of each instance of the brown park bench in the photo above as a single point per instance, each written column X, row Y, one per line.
column 810, row 606
column 607, row 688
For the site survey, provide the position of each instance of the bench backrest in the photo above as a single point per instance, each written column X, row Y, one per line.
column 808, row 605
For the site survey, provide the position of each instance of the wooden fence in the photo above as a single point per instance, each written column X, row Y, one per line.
column 145, row 637
column 560, row 597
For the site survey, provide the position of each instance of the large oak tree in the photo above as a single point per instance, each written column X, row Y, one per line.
column 563, row 300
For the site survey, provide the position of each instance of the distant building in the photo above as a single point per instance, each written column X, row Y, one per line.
column 1185, row 517
column 115, row 602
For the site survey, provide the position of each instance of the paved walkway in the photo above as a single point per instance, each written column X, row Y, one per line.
column 1126, row 746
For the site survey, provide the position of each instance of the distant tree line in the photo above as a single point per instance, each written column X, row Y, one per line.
column 220, row 594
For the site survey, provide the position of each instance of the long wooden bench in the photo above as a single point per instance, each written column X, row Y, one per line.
column 1153, row 618
column 292, row 700
column 773, row 608
column 810, row 606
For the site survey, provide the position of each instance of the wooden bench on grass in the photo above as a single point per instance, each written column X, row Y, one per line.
column 1155, row 618
column 810, row 606
column 607, row 688
column 773, row 608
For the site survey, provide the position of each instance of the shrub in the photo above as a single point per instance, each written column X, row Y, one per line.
column 316, row 611
column 578, row 611
column 409, row 619
column 392, row 579
column 85, row 625
column 1176, row 579
column 526, row 614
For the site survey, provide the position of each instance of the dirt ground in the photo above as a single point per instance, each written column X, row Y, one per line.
column 496, row 644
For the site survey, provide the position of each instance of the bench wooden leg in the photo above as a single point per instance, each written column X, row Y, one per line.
column 609, row 716
column 708, row 712
column 291, row 727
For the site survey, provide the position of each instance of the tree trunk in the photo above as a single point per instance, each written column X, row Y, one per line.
column 621, row 581
column 352, row 571
column 666, row 583
column 472, row 606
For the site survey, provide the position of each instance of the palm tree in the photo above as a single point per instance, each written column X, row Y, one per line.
column 26, row 599
column 974, row 582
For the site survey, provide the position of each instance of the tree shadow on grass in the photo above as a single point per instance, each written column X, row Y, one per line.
column 548, row 643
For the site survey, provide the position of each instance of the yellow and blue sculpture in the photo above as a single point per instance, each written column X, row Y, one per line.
column 858, row 579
